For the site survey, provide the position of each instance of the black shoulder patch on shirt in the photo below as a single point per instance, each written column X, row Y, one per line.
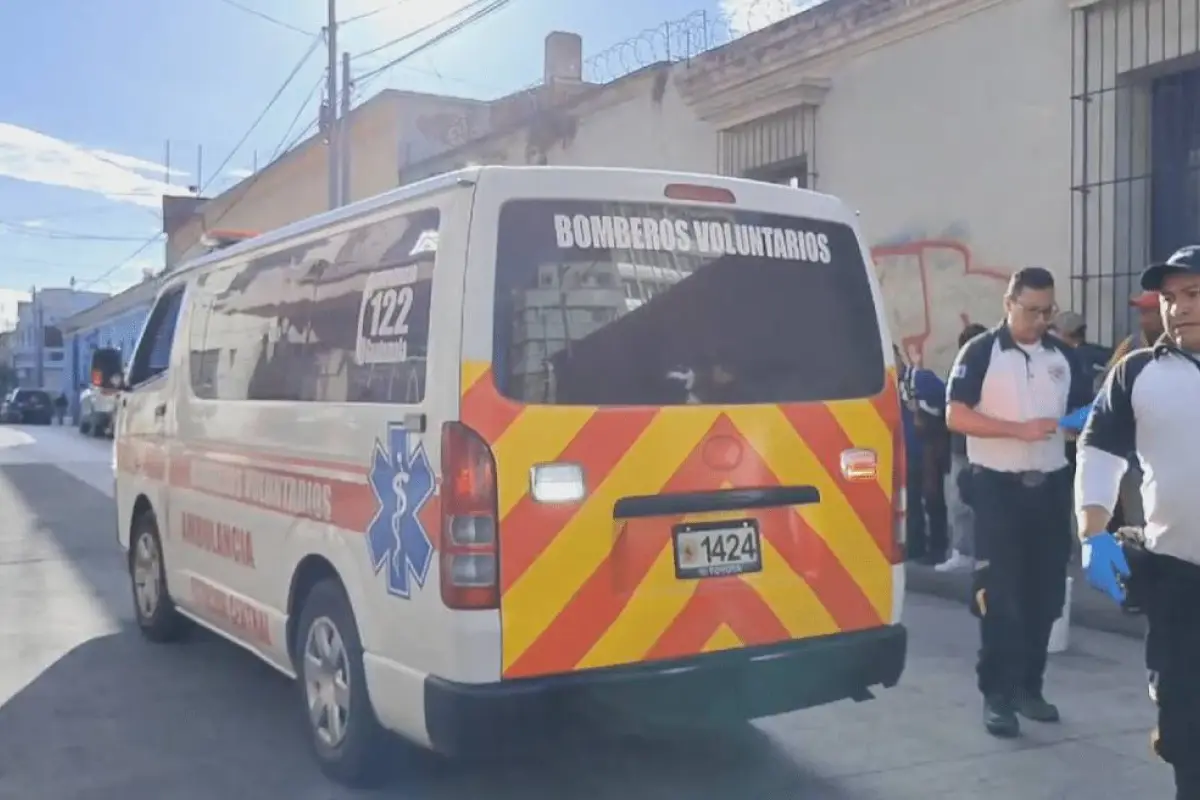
column 965, row 384
column 1111, row 426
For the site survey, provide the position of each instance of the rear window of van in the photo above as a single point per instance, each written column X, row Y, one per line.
column 611, row 304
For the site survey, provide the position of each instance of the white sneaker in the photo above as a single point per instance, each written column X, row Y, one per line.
column 957, row 562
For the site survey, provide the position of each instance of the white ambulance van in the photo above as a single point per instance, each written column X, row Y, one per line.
column 511, row 436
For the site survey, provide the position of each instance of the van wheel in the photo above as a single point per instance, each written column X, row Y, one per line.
column 348, row 740
column 156, row 616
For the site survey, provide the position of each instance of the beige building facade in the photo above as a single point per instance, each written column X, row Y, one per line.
column 975, row 137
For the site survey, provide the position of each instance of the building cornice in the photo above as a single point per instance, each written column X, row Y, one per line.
column 768, row 95
column 807, row 44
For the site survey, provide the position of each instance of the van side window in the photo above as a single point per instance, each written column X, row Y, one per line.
column 153, row 354
column 369, row 327
column 250, row 344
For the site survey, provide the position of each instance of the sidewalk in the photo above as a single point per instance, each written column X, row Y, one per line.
column 1089, row 608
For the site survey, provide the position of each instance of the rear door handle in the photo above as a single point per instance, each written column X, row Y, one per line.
column 160, row 410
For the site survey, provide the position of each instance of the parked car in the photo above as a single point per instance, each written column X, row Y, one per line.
column 98, row 401
column 28, row 406
column 97, row 407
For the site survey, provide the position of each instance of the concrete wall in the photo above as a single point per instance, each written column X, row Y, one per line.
column 952, row 142
column 946, row 123
column 955, row 146
column 637, row 121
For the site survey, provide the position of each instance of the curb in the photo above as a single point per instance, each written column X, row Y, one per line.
column 1088, row 608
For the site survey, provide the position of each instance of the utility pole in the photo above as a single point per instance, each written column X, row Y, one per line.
column 331, row 93
column 344, row 130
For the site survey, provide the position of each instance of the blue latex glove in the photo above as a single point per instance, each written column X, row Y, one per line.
column 1104, row 563
column 1075, row 420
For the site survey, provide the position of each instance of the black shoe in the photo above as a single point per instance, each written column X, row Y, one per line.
column 1031, row 705
column 999, row 718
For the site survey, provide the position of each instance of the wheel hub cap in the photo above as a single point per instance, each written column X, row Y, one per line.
column 326, row 675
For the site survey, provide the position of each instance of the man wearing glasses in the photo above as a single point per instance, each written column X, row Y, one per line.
column 1007, row 392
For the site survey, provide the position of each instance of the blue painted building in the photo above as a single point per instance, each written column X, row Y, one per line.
column 115, row 322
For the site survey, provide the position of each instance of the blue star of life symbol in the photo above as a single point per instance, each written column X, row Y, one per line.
column 402, row 484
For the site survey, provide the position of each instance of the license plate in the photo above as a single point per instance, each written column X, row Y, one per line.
column 714, row 549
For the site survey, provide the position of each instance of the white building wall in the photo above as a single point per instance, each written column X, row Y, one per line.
column 644, row 130
column 639, row 121
column 955, row 146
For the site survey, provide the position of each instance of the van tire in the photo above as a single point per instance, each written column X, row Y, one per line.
column 358, row 759
column 159, row 621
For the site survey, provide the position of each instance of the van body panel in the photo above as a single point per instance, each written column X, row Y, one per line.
column 583, row 589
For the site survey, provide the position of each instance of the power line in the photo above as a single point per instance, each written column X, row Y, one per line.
column 490, row 8
column 256, row 13
column 424, row 28
column 281, row 148
column 262, row 115
column 258, row 120
column 60, row 235
column 369, row 14
column 122, row 263
column 295, row 140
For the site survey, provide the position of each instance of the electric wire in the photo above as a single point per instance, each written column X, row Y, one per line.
column 282, row 147
column 122, row 263
column 258, row 120
column 266, row 110
column 492, row 7
column 424, row 28
column 369, row 14
column 256, row 13
column 60, row 235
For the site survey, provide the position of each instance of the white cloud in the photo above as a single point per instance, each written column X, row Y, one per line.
column 138, row 164
column 239, row 174
column 746, row 16
column 27, row 155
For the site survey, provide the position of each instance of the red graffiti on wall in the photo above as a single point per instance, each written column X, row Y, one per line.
column 932, row 289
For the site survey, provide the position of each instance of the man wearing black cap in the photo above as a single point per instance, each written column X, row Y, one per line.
column 1149, row 405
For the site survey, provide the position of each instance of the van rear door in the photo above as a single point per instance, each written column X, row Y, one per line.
column 693, row 429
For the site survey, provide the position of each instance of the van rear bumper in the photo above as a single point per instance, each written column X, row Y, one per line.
column 467, row 719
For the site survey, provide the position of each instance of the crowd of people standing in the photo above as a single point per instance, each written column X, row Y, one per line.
column 940, row 523
column 1037, row 434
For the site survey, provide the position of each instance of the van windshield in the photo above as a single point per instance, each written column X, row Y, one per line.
column 608, row 303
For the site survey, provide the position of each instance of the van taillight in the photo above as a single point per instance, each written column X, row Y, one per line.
column 696, row 192
column 899, row 495
column 469, row 551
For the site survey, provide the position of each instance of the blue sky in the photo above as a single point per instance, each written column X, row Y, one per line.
column 96, row 89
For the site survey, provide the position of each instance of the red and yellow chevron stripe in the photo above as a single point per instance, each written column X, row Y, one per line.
column 580, row 590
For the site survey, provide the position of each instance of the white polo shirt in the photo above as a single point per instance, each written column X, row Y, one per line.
column 997, row 376
column 1150, row 405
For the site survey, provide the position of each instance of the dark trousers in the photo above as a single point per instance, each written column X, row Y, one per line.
column 1024, row 533
column 1170, row 590
column 927, row 526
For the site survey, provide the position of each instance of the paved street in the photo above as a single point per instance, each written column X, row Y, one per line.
column 88, row 710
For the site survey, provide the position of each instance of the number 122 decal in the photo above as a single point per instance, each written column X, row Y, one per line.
column 387, row 301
